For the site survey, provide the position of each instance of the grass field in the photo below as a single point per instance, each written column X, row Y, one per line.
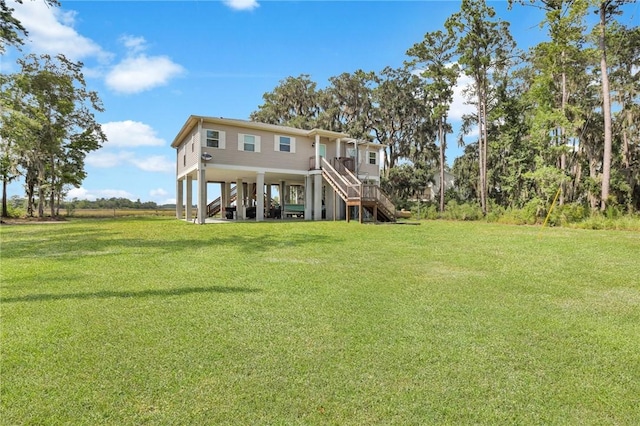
column 157, row 321
column 85, row 213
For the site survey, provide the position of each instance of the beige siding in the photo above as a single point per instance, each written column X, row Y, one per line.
column 188, row 152
column 373, row 170
column 267, row 157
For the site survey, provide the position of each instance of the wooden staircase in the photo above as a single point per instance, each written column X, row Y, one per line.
column 213, row 208
column 369, row 197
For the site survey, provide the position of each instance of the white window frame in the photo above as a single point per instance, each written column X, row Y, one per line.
column 373, row 155
column 221, row 138
column 292, row 143
column 241, row 142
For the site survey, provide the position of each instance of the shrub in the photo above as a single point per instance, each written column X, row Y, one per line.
column 466, row 211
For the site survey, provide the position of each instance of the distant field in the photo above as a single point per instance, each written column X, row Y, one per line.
column 151, row 320
column 80, row 213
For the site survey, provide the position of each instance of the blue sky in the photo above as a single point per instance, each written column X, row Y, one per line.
column 154, row 63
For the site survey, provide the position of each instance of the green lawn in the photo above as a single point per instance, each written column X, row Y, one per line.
column 157, row 321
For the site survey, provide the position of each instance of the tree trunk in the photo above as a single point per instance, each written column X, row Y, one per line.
column 483, row 135
column 480, row 149
column 442, row 159
column 52, row 194
column 563, row 136
column 30, row 190
column 5, row 211
column 593, row 174
column 41, row 196
column 606, row 107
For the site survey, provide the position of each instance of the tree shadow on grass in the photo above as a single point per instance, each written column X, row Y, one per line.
column 128, row 294
column 83, row 241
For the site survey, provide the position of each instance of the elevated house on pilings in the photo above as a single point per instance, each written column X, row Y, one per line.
column 317, row 174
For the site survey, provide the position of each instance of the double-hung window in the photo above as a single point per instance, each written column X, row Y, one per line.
column 373, row 157
column 214, row 139
column 284, row 143
column 250, row 143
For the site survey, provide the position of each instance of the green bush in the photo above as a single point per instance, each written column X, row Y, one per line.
column 14, row 211
column 466, row 211
column 568, row 213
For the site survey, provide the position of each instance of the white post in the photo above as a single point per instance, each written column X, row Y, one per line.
column 259, row 196
column 224, row 199
column 189, row 197
column 317, row 145
column 317, row 197
column 179, row 198
column 329, row 200
column 283, row 198
column 269, row 197
column 308, row 196
column 202, row 195
column 239, row 199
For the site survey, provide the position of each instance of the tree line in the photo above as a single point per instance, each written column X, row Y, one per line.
column 47, row 122
column 561, row 119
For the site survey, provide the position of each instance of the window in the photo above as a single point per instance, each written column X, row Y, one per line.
column 213, row 139
column 373, row 157
column 284, row 143
column 250, row 143
column 351, row 152
column 192, row 147
column 184, row 160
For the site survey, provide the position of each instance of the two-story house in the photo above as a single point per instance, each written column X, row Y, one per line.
column 316, row 173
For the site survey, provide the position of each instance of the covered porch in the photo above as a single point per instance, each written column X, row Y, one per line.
column 229, row 193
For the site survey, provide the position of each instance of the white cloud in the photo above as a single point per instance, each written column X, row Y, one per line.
column 134, row 44
column 104, row 160
column 91, row 195
column 158, row 193
column 139, row 72
column 242, row 4
column 51, row 31
column 458, row 106
column 130, row 133
column 156, row 163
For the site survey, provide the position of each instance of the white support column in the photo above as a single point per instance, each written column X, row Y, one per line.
column 179, row 198
column 239, row 199
column 189, row 198
column 283, row 197
column 224, row 199
column 329, row 202
column 338, row 147
column 202, row 195
column 308, row 197
column 268, row 202
column 317, row 146
column 259, row 196
column 317, row 197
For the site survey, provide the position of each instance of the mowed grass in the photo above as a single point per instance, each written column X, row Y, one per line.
column 157, row 321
